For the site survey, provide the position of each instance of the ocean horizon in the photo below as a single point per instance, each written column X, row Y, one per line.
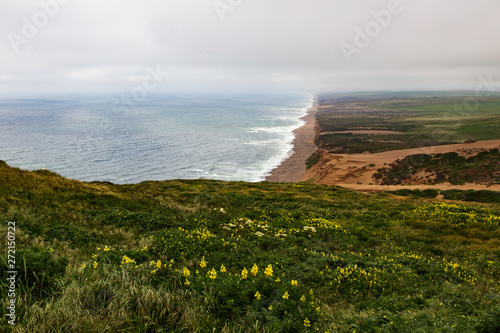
column 237, row 137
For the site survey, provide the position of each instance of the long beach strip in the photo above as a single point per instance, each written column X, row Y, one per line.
column 293, row 168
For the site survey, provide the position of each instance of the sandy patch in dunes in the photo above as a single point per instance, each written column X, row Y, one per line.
column 355, row 170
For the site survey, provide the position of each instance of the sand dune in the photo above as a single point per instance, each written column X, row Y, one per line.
column 355, row 170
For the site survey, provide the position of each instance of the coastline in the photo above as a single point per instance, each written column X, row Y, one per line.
column 294, row 167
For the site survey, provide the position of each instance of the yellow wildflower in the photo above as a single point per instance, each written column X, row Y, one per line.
column 269, row 270
column 303, row 298
column 270, row 308
column 222, row 269
column 212, row 274
column 127, row 260
column 158, row 264
column 95, row 264
column 278, row 279
column 307, row 323
column 244, row 273
column 186, row 272
column 203, row 264
column 257, row 295
column 106, row 248
column 187, row 283
column 294, row 282
column 285, row 295
column 255, row 270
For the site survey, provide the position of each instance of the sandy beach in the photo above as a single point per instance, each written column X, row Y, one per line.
column 293, row 168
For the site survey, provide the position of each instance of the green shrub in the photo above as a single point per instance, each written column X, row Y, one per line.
column 430, row 193
column 417, row 193
column 37, row 271
column 490, row 321
column 403, row 192
column 453, row 194
column 485, row 196
column 313, row 159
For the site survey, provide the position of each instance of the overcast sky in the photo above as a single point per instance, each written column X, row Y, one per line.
column 112, row 46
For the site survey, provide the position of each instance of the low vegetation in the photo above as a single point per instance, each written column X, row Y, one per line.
column 481, row 168
column 380, row 122
column 213, row 256
column 313, row 159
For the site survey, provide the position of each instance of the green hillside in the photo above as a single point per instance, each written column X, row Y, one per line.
column 213, row 256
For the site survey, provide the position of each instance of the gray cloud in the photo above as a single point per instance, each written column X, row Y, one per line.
column 105, row 46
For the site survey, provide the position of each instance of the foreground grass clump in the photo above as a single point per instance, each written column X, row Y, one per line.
column 204, row 256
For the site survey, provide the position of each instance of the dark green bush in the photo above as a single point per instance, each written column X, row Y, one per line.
column 313, row 159
column 490, row 322
column 485, row 196
column 403, row 192
column 452, row 158
column 37, row 271
column 453, row 194
column 75, row 236
column 430, row 193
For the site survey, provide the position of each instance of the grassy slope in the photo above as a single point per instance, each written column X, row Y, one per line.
column 369, row 262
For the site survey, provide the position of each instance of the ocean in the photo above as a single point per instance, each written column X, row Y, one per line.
column 225, row 137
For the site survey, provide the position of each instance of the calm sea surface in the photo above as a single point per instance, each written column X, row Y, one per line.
column 237, row 137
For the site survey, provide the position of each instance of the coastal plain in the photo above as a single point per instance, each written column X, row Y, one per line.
column 377, row 141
